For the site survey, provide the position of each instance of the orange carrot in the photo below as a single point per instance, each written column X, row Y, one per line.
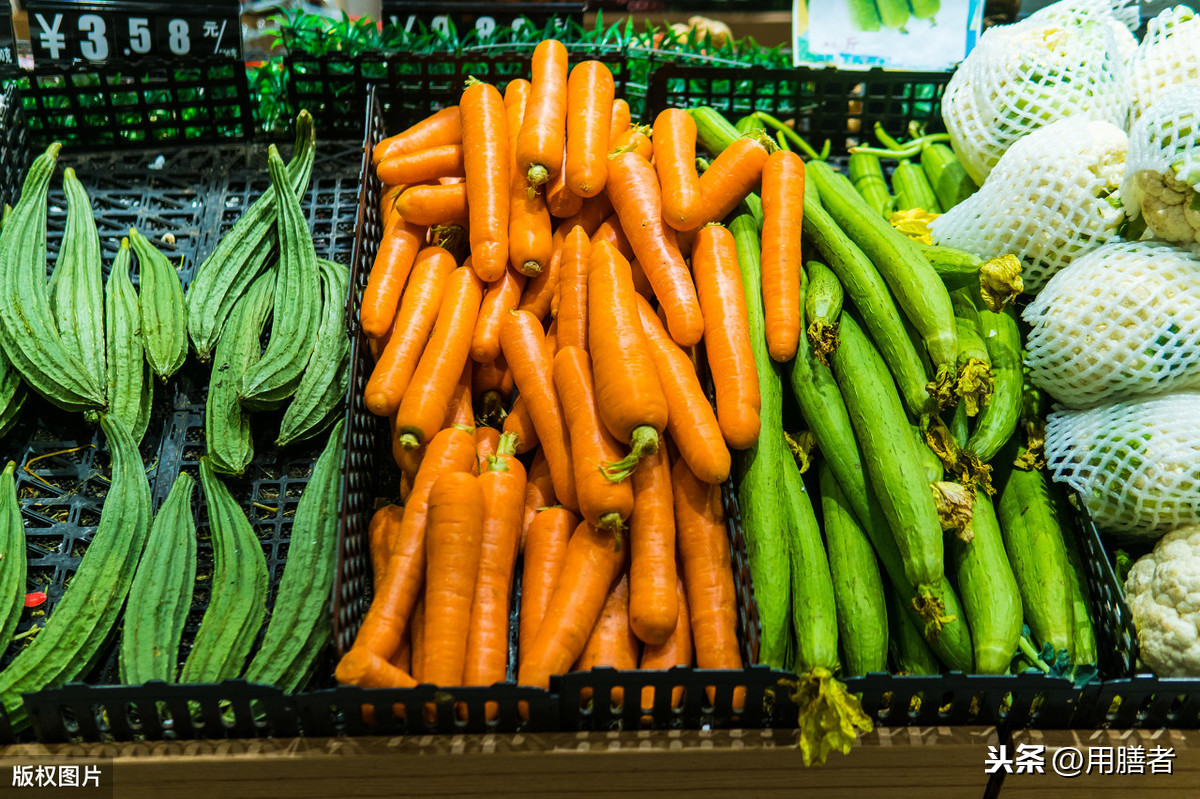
column 675, row 161
column 707, row 571
column 653, row 606
column 731, row 176
column 443, row 127
column 628, row 393
column 539, row 493
column 727, row 335
column 492, row 376
column 418, row 639
column 452, row 450
column 620, row 121
column 592, row 562
column 503, row 486
column 406, row 481
column 605, row 499
column 641, row 283
column 424, row 404
column 572, row 288
column 633, row 187
column 524, row 347
column 387, row 202
column 529, row 234
column 501, row 297
column 383, row 529
column 634, row 140
column 409, row 460
column 487, row 441
column 540, row 291
column 461, row 412
column 453, row 541
column 368, row 670
column 397, row 252
column 610, row 230
column 419, row 307
column 543, row 134
column 443, row 161
column 520, row 424
column 486, row 156
column 676, row 651
column 545, row 545
column 690, row 419
column 424, row 204
column 403, row 657
column 611, row 642
column 560, row 200
column 589, row 114
column 783, row 213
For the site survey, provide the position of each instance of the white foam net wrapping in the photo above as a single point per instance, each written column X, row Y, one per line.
column 1022, row 77
column 1168, row 57
column 1120, row 322
column 1135, row 464
column 1049, row 200
column 1163, row 169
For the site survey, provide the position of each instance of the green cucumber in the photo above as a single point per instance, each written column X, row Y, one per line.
column 1085, row 630
column 76, row 284
column 910, row 653
column 823, row 299
column 866, row 171
column 814, row 607
column 161, row 595
column 996, row 424
column 130, row 389
column 858, row 589
column 87, row 613
column 713, row 131
column 912, row 188
column 949, row 178
column 12, row 556
column 164, row 315
column 238, row 598
column 299, row 626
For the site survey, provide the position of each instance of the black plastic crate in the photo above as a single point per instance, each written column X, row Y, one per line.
column 841, row 106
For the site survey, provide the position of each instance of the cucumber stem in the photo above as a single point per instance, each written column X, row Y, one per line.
column 823, row 338
column 791, row 135
column 974, row 384
column 931, row 609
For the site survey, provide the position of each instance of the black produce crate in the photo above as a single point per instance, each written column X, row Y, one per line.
column 13, row 142
column 194, row 193
column 841, row 106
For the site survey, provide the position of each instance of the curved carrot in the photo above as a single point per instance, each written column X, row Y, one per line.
column 442, row 127
column 418, row 311
column 487, row 441
column 783, row 213
column 382, row 530
column 703, row 544
column 610, row 230
column 397, row 252
column 529, row 233
column 520, row 424
column 368, row 670
column 690, row 419
column 605, row 501
column 451, row 450
column 541, row 290
column 486, row 155
column 524, row 347
column 492, row 376
column 543, row 134
column 590, row 92
column 620, row 120
column 731, row 176
column 545, row 545
column 634, row 140
column 572, row 290
column 433, row 205
column 403, row 657
column 387, row 202
column 417, row 635
column 592, row 562
column 453, row 542
column 611, row 642
column 461, row 412
column 539, row 493
column 631, row 400
column 727, row 335
column 633, row 187
column 675, row 161
column 501, row 297
column 641, row 283
column 675, row 651
column 653, row 605
column 560, row 200
column 443, row 161
column 424, row 404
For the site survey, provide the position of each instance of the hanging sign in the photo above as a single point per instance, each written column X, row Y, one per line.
column 483, row 18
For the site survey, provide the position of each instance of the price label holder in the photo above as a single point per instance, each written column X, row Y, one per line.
column 483, row 18
column 63, row 31
column 8, row 41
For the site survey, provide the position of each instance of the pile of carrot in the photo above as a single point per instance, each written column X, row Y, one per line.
column 544, row 392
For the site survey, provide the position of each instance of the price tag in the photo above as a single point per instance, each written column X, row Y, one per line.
column 483, row 18
column 113, row 30
column 8, row 46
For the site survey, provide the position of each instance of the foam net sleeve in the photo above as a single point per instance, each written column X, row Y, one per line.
column 1163, row 169
column 1167, row 58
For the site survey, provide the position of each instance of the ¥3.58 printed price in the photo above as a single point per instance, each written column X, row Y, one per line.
column 62, row 31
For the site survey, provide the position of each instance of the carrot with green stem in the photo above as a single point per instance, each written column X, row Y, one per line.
column 605, row 499
column 590, row 93
column 543, row 134
column 397, row 253
column 628, row 392
column 529, row 233
column 675, row 161
column 442, row 127
column 783, row 214
column 653, row 603
column 633, row 187
column 524, row 347
column 414, row 321
column 443, row 161
column 611, row 642
column 487, row 444
column 541, row 290
column 572, row 315
column 453, row 543
column 677, row 650
column 424, row 404
column 500, row 297
column 591, row 563
column 545, row 546
column 520, row 424
column 486, row 157
column 425, row 204
column 503, row 486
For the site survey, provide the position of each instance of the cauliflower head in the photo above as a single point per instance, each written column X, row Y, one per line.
column 1163, row 592
column 1170, row 206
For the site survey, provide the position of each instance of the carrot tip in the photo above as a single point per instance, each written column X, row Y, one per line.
column 537, row 175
